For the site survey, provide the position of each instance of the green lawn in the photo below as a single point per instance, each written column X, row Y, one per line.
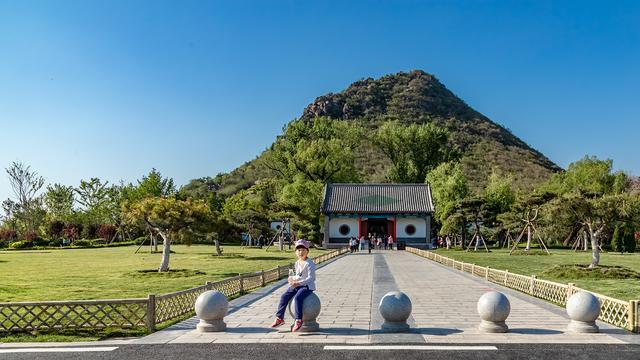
column 108, row 273
column 626, row 289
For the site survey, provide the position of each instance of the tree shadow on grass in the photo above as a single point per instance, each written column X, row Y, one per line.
column 267, row 258
column 226, row 275
column 225, row 255
column 172, row 273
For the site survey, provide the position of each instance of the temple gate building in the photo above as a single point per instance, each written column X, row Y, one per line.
column 403, row 211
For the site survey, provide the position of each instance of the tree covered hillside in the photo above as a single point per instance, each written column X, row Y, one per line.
column 415, row 98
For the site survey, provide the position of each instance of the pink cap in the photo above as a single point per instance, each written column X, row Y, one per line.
column 302, row 242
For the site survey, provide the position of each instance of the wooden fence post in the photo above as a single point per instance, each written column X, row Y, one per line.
column 532, row 285
column 570, row 287
column 473, row 269
column 262, row 277
column 151, row 313
column 208, row 285
column 486, row 274
column 506, row 274
column 634, row 316
column 279, row 274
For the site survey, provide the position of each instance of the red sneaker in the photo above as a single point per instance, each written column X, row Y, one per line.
column 297, row 326
column 277, row 322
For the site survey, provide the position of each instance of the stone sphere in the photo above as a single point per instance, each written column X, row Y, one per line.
column 583, row 306
column 395, row 307
column 493, row 306
column 310, row 307
column 211, row 305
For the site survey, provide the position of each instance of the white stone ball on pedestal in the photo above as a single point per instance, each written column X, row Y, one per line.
column 395, row 308
column 211, row 307
column 310, row 310
column 493, row 308
column 583, row 308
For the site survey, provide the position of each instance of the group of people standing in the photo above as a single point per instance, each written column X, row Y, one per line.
column 371, row 241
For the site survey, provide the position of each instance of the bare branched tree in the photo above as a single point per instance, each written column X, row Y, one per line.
column 25, row 183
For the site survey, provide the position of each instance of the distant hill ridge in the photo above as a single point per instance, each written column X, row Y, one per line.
column 418, row 97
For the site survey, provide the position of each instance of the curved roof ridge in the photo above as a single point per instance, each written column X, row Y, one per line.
column 377, row 198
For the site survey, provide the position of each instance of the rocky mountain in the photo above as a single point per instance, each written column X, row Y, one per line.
column 418, row 97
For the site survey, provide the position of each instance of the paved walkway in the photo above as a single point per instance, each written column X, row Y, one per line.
column 350, row 288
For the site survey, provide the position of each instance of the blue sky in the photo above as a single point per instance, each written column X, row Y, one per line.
column 111, row 89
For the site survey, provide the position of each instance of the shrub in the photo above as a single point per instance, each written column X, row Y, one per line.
column 40, row 242
column 55, row 242
column 55, row 230
column 106, row 231
column 623, row 239
column 31, row 236
column 22, row 244
column 89, row 231
column 72, row 231
column 630, row 241
column 8, row 235
column 82, row 243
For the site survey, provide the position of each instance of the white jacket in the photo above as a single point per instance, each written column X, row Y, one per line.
column 306, row 271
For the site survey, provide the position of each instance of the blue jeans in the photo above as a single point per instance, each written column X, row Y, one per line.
column 299, row 294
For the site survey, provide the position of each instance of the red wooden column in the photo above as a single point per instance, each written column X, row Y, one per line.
column 359, row 226
column 395, row 218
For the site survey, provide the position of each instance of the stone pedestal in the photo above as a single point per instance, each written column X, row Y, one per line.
column 493, row 308
column 310, row 310
column 395, row 308
column 211, row 307
column 583, row 308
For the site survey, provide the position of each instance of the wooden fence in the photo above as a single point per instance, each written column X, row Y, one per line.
column 624, row 314
column 131, row 313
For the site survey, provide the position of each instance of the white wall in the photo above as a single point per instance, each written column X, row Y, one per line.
column 334, row 227
column 274, row 226
column 419, row 223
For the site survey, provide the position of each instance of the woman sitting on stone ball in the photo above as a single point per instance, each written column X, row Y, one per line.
column 301, row 285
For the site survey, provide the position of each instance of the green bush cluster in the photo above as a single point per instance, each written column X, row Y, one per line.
column 82, row 243
column 20, row 244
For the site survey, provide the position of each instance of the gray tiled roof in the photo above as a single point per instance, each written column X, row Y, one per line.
column 377, row 199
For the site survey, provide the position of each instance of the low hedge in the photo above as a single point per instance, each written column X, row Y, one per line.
column 20, row 244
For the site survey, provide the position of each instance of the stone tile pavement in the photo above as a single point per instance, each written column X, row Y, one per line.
column 350, row 288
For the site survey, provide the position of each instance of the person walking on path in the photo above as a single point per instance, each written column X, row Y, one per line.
column 301, row 285
column 390, row 241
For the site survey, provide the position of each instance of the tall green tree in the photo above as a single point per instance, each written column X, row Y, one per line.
column 623, row 239
column 251, row 208
column 413, row 149
column 59, row 201
column 320, row 150
column 449, row 188
column 150, row 185
column 205, row 189
column 99, row 201
column 499, row 197
column 303, row 197
column 590, row 194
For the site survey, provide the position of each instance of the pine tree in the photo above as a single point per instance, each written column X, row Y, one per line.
column 617, row 241
column 629, row 240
